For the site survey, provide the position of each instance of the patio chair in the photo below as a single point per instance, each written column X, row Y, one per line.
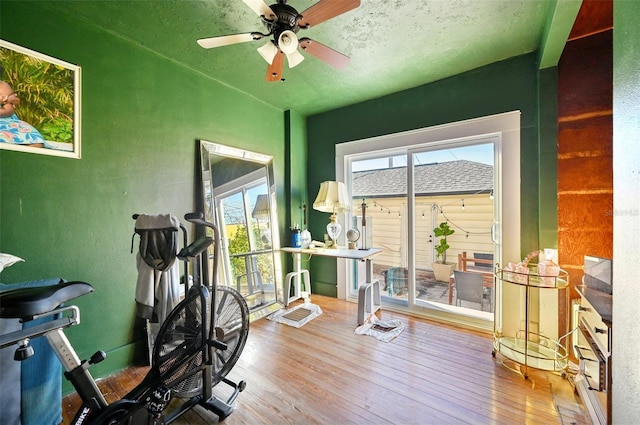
column 469, row 287
column 396, row 279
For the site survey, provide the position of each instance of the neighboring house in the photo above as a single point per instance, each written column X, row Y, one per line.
column 455, row 191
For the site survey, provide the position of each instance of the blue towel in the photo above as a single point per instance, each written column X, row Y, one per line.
column 40, row 376
column 9, row 375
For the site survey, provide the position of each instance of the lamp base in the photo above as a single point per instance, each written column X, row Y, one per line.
column 333, row 230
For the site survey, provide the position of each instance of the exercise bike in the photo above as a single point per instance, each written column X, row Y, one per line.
column 198, row 343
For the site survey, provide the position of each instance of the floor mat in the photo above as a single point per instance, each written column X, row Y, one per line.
column 384, row 331
column 297, row 316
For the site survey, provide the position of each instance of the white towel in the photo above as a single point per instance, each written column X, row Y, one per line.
column 157, row 291
column 384, row 331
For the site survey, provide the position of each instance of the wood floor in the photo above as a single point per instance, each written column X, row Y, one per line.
column 323, row 373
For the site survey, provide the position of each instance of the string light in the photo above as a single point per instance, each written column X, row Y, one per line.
column 383, row 208
column 440, row 208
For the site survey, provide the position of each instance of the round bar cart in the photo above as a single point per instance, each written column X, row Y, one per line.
column 527, row 325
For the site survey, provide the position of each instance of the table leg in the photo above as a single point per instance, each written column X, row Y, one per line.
column 296, row 278
column 369, row 297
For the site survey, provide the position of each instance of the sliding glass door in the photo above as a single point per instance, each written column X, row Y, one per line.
column 465, row 174
column 410, row 193
column 453, row 215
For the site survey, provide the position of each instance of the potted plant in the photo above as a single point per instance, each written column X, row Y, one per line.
column 441, row 269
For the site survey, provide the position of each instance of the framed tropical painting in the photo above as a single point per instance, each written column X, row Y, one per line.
column 40, row 103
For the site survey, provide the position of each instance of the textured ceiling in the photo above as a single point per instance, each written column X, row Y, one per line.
column 393, row 44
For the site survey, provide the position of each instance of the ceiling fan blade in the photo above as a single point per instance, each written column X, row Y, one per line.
column 274, row 71
column 324, row 53
column 325, row 10
column 260, row 8
column 226, row 40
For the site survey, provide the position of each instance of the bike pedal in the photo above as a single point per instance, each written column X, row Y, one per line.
column 97, row 357
column 219, row 407
column 158, row 400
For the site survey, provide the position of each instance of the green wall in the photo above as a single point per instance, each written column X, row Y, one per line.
column 295, row 181
column 296, row 171
column 141, row 117
column 500, row 87
column 548, row 162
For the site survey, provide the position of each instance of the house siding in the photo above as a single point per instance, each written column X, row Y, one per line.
column 387, row 222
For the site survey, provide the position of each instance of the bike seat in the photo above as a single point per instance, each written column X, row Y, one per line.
column 28, row 302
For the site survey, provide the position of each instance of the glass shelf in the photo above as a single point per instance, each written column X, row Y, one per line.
column 533, row 278
column 544, row 354
column 523, row 346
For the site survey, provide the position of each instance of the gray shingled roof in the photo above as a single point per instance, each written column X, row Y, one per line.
column 431, row 179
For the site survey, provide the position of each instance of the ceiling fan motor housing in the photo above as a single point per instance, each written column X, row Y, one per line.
column 286, row 20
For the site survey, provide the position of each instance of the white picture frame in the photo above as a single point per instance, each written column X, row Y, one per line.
column 49, row 93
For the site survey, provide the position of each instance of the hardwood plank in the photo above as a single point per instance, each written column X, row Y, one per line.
column 324, row 373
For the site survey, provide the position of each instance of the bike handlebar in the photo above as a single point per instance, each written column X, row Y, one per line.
column 198, row 218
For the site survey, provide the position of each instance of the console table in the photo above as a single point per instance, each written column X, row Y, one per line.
column 369, row 300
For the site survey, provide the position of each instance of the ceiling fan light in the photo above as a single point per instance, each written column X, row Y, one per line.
column 294, row 58
column 268, row 51
column 288, row 43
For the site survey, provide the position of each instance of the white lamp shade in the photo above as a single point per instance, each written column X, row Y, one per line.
column 268, row 51
column 332, row 197
column 261, row 209
column 294, row 58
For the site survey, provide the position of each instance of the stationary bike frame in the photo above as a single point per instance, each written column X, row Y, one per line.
column 146, row 403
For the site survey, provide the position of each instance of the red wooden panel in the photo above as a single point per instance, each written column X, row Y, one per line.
column 575, row 244
column 593, row 134
column 585, row 212
column 585, row 75
column 585, row 173
column 594, row 16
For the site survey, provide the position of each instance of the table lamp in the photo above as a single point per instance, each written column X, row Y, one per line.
column 261, row 211
column 333, row 198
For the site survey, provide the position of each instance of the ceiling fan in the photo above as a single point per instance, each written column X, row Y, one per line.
column 283, row 23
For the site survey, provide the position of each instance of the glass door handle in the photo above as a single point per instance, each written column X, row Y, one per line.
column 494, row 233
